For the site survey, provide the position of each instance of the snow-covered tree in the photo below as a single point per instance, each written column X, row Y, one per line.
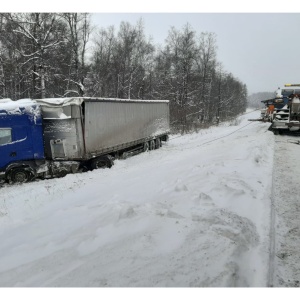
column 33, row 38
column 79, row 30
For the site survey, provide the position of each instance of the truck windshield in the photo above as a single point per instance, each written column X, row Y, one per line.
column 5, row 136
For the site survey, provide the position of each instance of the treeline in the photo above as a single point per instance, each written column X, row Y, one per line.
column 46, row 55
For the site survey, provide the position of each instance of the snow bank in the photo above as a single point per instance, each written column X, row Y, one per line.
column 6, row 100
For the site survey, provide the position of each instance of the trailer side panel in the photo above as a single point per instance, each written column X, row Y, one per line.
column 111, row 123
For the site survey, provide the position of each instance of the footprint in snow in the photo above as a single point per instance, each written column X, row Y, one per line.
column 203, row 200
column 181, row 187
column 127, row 212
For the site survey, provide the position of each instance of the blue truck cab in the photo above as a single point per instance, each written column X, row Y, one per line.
column 21, row 139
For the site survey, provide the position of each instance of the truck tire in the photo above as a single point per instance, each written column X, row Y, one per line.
column 102, row 162
column 157, row 143
column 146, row 147
column 151, row 145
column 19, row 175
column 165, row 138
column 62, row 173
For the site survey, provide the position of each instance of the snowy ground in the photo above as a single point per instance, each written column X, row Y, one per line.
column 195, row 213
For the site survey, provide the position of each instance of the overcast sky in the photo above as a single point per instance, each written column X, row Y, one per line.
column 261, row 49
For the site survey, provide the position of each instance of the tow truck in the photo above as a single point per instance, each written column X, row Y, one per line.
column 283, row 111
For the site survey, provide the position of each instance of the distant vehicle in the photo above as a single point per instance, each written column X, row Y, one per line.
column 283, row 111
column 49, row 138
column 284, row 102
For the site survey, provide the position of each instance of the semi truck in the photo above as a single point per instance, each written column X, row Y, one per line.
column 48, row 138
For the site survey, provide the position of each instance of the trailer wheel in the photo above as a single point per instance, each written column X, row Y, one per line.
column 146, row 147
column 102, row 162
column 62, row 173
column 19, row 175
column 157, row 143
column 165, row 138
column 151, row 145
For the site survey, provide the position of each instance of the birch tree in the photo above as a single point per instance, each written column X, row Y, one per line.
column 234, row 97
column 103, row 81
column 77, row 38
column 122, row 61
column 206, row 64
column 181, row 46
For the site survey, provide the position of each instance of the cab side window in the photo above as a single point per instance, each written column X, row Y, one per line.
column 5, row 136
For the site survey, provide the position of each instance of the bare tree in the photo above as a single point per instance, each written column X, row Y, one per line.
column 206, row 64
column 129, row 49
column 122, row 62
column 36, row 33
column 102, row 79
column 78, row 37
column 181, row 47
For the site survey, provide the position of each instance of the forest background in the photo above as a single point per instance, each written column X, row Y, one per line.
column 50, row 55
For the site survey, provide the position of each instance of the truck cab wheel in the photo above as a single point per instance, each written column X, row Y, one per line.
column 19, row 175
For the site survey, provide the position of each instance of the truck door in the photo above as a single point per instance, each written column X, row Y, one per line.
column 15, row 145
column 5, row 146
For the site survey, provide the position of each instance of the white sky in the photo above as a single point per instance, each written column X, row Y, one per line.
column 257, row 41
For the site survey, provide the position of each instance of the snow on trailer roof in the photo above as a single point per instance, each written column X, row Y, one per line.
column 79, row 100
column 123, row 100
column 60, row 101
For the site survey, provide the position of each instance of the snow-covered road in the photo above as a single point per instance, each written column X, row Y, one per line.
column 195, row 213
column 286, row 217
